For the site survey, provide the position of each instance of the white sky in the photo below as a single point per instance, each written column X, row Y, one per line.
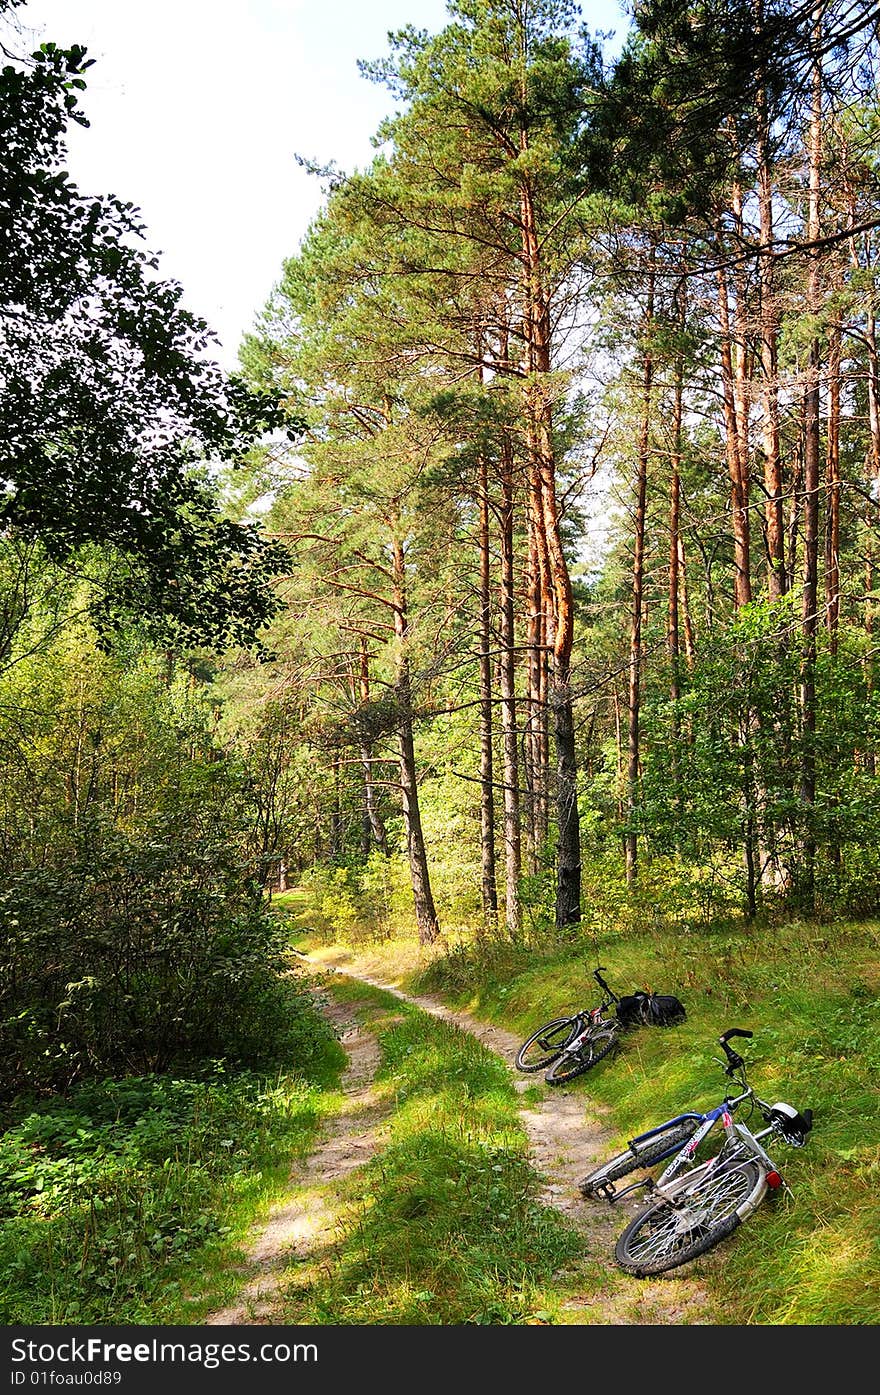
column 198, row 107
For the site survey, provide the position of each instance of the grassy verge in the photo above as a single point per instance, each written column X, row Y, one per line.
column 444, row 1225
column 127, row 1200
column 810, row 994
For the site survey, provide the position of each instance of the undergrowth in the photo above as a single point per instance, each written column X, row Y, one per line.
column 126, row 1201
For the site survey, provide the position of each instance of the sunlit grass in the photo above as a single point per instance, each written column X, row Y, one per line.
column 810, row 993
column 443, row 1225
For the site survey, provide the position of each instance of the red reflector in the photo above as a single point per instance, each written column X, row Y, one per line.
column 774, row 1180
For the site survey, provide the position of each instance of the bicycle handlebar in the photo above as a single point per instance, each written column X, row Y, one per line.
column 735, row 1061
column 734, row 1032
column 597, row 975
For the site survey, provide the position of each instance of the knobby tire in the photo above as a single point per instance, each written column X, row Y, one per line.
column 638, row 1154
column 600, row 1042
column 673, row 1232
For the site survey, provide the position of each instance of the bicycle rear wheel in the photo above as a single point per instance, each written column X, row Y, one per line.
column 543, row 1046
column 593, row 1048
column 640, row 1153
column 682, row 1228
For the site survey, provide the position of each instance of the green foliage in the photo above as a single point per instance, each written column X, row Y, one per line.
column 132, row 926
column 110, row 406
column 368, row 901
column 121, row 1200
column 141, row 954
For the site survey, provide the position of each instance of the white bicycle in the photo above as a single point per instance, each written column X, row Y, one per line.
column 692, row 1208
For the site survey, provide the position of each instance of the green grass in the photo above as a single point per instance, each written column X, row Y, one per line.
column 127, row 1201
column 811, row 996
column 444, row 1225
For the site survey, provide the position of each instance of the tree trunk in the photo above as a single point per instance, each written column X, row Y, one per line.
column 533, row 705
column 769, row 353
column 811, row 493
column 512, row 848
column 739, row 487
column 832, row 482
column 336, row 814
column 673, row 638
column 375, row 824
column 426, row 915
column 690, row 643
column 538, row 325
column 487, row 792
column 638, row 577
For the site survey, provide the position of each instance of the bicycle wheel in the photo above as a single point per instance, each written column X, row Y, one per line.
column 639, row 1154
column 544, row 1045
column 593, row 1048
column 680, row 1229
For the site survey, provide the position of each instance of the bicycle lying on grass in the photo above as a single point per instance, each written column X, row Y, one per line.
column 691, row 1210
column 568, row 1046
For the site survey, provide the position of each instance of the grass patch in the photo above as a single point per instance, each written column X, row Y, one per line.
column 444, row 1225
column 127, row 1200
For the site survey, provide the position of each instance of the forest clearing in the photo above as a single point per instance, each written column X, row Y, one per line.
column 508, row 613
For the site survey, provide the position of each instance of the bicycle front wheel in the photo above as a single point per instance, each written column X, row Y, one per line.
column 674, row 1231
column 543, row 1046
column 640, row 1153
column 597, row 1045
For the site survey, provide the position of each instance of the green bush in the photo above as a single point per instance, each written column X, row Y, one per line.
column 140, row 954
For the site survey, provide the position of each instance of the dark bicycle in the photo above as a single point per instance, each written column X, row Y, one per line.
column 567, row 1046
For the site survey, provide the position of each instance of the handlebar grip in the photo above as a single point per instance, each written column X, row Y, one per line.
column 734, row 1032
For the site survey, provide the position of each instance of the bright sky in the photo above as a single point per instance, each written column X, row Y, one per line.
column 198, row 108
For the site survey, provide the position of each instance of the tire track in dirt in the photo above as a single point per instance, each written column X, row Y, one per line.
column 304, row 1223
column 566, row 1136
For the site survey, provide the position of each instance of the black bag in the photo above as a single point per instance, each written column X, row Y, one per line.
column 631, row 1010
column 650, row 1010
column 665, row 1010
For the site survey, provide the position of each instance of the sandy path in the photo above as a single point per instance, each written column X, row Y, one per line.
column 567, row 1138
column 303, row 1223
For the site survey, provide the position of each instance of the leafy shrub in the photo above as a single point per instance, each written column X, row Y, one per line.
column 140, row 954
column 111, row 1195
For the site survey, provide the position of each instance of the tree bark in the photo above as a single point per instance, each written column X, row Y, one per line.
column 487, row 792
column 638, row 578
column 534, row 696
column 423, row 900
column 739, row 484
column 811, row 490
column 512, row 845
column 538, row 325
column 774, row 526
column 832, row 483
column 375, row 823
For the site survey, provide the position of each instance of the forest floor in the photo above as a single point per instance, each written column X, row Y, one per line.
column 567, row 1138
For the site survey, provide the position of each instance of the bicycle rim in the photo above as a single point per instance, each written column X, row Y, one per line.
column 672, row 1232
column 542, row 1048
column 569, row 1064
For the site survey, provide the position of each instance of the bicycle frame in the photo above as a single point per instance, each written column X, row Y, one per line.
column 739, row 1139
column 588, row 1019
